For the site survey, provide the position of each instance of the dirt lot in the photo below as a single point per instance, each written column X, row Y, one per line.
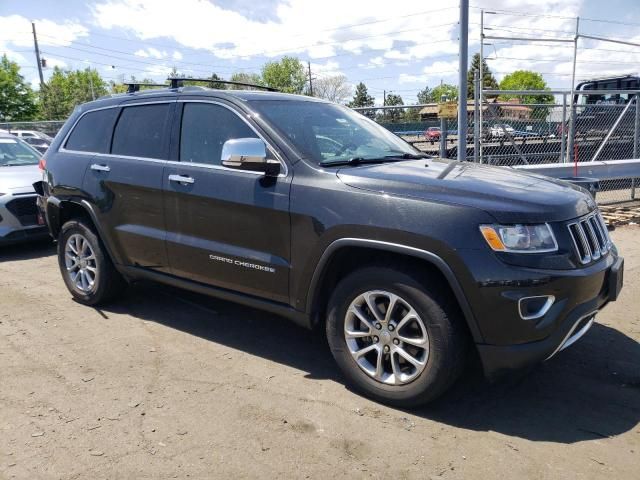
column 166, row 384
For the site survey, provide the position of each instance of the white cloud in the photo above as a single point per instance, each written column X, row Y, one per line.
column 16, row 30
column 176, row 55
column 153, row 53
column 436, row 71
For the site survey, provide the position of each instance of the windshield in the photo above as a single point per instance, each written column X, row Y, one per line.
column 13, row 152
column 328, row 133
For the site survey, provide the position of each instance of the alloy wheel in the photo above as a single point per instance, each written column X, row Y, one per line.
column 80, row 262
column 386, row 337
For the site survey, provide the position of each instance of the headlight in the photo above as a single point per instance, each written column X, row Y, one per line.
column 520, row 238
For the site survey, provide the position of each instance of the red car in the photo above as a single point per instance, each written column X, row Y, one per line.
column 432, row 134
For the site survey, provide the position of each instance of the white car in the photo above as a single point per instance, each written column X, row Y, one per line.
column 31, row 134
column 19, row 216
column 501, row 129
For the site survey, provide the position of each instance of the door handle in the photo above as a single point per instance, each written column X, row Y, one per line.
column 100, row 168
column 181, row 179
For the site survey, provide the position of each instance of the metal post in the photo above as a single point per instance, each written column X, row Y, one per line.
column 572, row 117
column 563, row 130
column 636, row 141
column 443, row 132
column 310, row 81
column 93, row 94
column 35, row 44
column 463, row 64
column 476, row 117
column 481, row 70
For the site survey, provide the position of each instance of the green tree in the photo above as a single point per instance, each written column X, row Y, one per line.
column 424, row 95
column 489, row 81
column 450, row 91
column 361, row 97
column 17, row 100
column 68, row 88
column 525, row 80
column 287, row 75
column 252, row 78
column 393, row 115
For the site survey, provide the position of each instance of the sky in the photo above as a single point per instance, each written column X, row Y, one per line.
column 398, row 47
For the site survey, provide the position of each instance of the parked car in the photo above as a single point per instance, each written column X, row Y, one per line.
column 404, row 261
column 19, row 218
column 498, row 130
column 24, row 134
column 40, row 144
column 432, row 134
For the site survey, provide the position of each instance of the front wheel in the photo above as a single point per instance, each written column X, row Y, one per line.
column 395, row 335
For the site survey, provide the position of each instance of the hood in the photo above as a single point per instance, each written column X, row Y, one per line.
column 510, row 195
column 19, row 179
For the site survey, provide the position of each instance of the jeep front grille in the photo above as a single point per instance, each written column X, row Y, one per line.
column 590, row 237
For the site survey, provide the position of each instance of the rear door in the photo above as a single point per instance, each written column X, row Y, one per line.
column 126, row 184
column 225, row 227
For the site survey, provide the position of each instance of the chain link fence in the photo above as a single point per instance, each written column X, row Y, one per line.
column 532, row 127
column 50, row 127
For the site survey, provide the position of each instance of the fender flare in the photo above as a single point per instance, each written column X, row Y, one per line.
column 426, row 255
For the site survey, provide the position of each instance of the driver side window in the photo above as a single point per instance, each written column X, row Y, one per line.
column 205, row 128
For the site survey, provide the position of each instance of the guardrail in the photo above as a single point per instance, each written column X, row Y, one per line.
column 618, row 178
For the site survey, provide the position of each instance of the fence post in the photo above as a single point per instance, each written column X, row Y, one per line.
column 476, row 117
column 636, row 130
column 443, row 132
column 563, row 130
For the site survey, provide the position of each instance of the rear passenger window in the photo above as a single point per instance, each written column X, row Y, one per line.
column 93, row 132
column 205, row 128
column 141, row 131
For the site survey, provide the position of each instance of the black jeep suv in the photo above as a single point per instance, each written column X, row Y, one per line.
column 310, row 210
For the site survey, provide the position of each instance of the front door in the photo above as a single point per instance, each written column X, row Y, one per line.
column 227, row 228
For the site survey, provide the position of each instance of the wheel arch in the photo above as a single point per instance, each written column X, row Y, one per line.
column 61, row 211
column 347, row 251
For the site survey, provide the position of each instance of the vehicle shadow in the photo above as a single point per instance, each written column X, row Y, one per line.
column 27, row 250
column 589, row 391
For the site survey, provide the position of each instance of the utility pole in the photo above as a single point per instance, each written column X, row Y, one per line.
column 463, row 64
column 310, row 81
column 35, row 44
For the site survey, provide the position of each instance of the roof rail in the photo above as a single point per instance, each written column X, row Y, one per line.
column 133, row 87
column 178, row 82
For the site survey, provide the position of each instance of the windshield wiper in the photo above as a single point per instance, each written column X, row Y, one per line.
column 362, row 160
column 409, row 156
column 352, row 161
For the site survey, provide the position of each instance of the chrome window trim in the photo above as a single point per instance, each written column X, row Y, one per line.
column 270, row 147
column 62, row 149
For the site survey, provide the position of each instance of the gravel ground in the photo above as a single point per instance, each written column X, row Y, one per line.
column 167, row 384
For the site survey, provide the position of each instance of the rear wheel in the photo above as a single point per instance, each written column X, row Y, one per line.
column 86, row 268
column 396, row 338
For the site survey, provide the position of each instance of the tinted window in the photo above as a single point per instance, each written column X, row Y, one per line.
column 140, row 131
column 205, row 128
column 93, row 132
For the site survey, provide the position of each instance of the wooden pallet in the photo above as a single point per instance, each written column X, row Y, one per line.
column 615, row 215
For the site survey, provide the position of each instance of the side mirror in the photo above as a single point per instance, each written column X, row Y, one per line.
column 248, row 154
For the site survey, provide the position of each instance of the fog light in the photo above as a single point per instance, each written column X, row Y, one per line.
column 531, row 308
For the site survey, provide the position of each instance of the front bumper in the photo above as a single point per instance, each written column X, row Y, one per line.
column 569, row 327
column 20, row 220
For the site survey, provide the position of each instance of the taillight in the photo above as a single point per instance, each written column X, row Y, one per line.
column 42, row 164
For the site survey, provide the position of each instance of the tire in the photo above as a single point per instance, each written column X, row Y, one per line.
column 100, row 282
column 406, row 384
